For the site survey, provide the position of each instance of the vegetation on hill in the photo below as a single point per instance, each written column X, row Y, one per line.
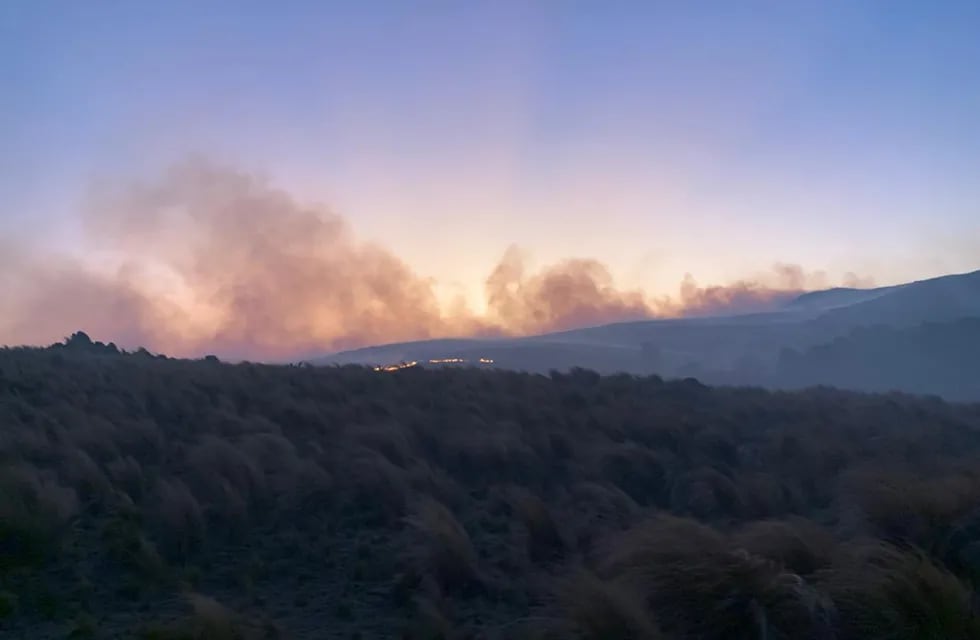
column 940, row 358
column 146, row 497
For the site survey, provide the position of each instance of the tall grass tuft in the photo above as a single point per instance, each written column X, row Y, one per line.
column 446, row 550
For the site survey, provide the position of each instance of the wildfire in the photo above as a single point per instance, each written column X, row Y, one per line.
column 397, row 367
column 415, row 363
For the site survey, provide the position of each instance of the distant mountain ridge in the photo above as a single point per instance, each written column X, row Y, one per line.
column 738, row 349
column 940, row 299
column 836, row 297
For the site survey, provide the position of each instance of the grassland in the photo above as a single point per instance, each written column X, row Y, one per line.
column 146, row 497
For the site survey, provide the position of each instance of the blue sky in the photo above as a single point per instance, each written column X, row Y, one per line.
column 661, row 138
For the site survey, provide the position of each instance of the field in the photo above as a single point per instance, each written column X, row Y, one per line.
column 155, row 498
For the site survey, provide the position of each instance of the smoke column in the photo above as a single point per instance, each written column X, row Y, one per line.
column 212, row 259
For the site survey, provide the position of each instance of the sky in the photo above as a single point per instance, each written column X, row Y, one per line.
column 663, row 140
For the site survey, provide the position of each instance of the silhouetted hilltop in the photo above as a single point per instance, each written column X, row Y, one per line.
column 80, row 342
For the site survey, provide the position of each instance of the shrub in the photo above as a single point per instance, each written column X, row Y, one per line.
column 600, row 610
column 447, row 552
column 544, row 540
column 904, row 508
column 480, row 453
column 960, row 547
column 799, row 545
column 85, row 476
column 208, row 619
column 765, row 495
column 600, row 508
column 704, row 493
column 227, row 479
column 638, row 471
column 884, row 592
column 389, row 440
column 126, row 474
column 699, row 586
column 178, row 518
column 33, row 511
column 211, row 619
column 311, row 493
column 428, row 622
column 375, row 485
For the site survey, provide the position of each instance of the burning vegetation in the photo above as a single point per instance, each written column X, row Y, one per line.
column 436, row 361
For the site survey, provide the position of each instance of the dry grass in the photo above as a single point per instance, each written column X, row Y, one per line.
column 886, row 593
column 448, row 553
column 905, row 508
column 545, row 541
column 600, row 609
column 34, row 511
column 428, row 622
column 798, row 545
column 208, row 619
column 702, row 586
column 179, row 515
column 303, row 494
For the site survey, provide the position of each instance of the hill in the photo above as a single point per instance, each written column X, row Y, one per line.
column 743, row 349
column 937, row 358
column 148, row 497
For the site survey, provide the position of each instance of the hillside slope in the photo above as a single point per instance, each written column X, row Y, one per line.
column 935, row 300
column 143, row 497
column 739, row 349
column 940, row 358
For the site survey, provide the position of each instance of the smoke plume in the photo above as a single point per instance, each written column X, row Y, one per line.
column 572, row 293
column 784, row 282
column 210, row 259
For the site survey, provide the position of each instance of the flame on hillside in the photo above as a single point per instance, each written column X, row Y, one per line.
column 415, row 363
